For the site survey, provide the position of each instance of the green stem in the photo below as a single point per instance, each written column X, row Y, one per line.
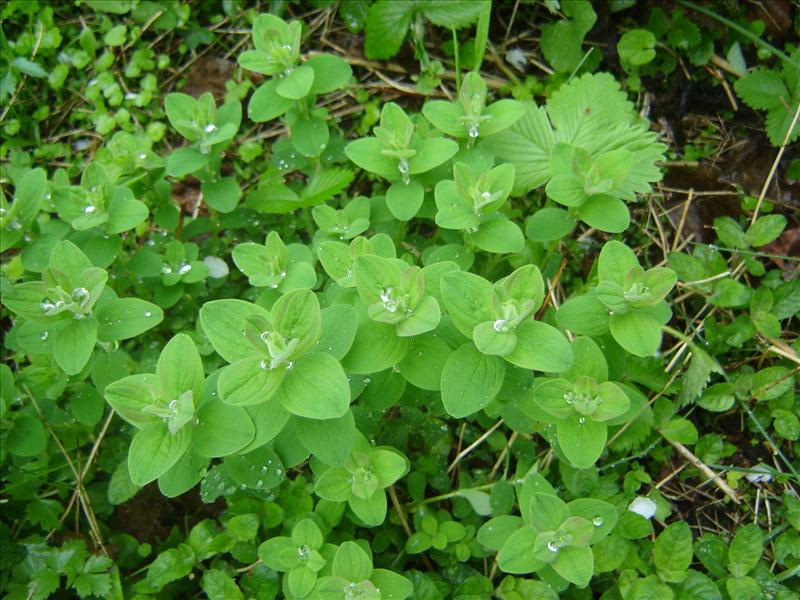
column 742, row 30
column 453, row 494
column 457, row 59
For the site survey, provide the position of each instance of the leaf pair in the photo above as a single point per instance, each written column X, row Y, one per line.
column 272, row 358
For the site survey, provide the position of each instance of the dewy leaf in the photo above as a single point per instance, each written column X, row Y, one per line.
column 517, row 555
column 581, row 439
column 315, row 387
column 470, row 380
column 223, row 323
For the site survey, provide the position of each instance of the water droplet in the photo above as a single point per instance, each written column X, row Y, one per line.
column 597, row 521
column 498, row 325
column 81, row 296
column 264, row 365
column 148, row 314
column 553, row 547
column 472, row 130
column 184, row 268
column 89, row 209
column 142, row 156
column 166, row 269
column 211, row 128
column 43, row 336
column 582, row 420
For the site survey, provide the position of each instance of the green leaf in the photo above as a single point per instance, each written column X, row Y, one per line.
column 517, row 555
column 499, row 235
column 372, row 510
column 184, row 161
column 339, row 326
column 561, row 41
column 297, row 84
column 762, row 89
column 540, row 347
column 315, row 387
column 547, row 512
column 467, row 299
column 221, row 429
column 636, row 332
column 376, row 348
column 548, row 224
column 494, row 533
column 330, row 73
column 366, row 153
column 171, row 565
column 73, row 345
column 745, row 550
column 584, row 315
column 180, row 368
column 266, row 104
column 575, row 564
column 393, row 586
column 125, row 318
column 124, row 211
column 729, row 293
column 330, row 440
column 424, row 361
column 743, row 588
column 386, row 27
column 218, row 585
column 310, row 135
column 470, row 380
column 581, row 439
column 223, row 323
column 405, row 200
column 636, row 47
column 766, row 229
column 250, row 381
column 154, row 450
column 680, row 430
column 388, row 465
column 352, row 563
column 222, row 195
column 697, row 376
column 259, row 469
column 454, row 14
column 672, row 552
column 602, row 515
column 605, row 212
column 27, row 437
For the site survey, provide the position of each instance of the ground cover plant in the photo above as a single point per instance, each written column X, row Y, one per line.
column 400, row 300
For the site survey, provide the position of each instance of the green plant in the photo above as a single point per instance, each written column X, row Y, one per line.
column 261, row 356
